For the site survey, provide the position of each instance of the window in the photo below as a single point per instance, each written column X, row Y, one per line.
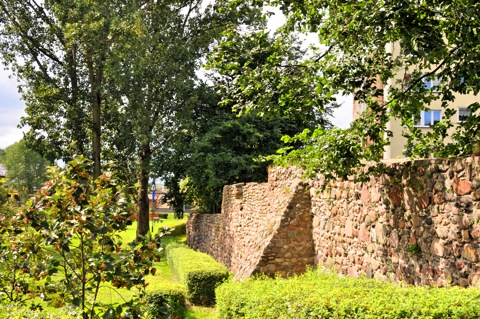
column 431, row 83
column 429, row 118
column 463, row 113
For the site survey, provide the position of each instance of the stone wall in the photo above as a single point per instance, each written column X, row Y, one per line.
column 418, row 223
column 263, row 228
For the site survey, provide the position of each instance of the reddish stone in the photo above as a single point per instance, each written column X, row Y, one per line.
column 364, row 234
column 396, row 196
column 365, row 194
column 469, row 253
column 349, row 228
column 439, row 198
column 421, row 171
column 475, row 233
column 464, row 282
column 438, row 248
column 423, row 201
column 461, row 187
column 476, row 195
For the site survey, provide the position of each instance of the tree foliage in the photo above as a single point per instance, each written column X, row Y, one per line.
column 26, row 169
column 121, row 67
column 216, row 147
column 433, row 39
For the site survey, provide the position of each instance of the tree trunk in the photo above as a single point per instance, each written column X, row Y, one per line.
column 96, row 135
column 95, row 75
column 143, row 201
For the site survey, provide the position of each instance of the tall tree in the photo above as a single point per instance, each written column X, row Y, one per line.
column 59, row 52
column 158, row 72
column 215, row 147
column 434, row 39
column 26, row 169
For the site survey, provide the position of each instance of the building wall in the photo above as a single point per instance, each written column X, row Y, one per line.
column 398, row 142
column 420, row 224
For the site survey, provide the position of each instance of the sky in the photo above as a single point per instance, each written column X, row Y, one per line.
column 12, row 108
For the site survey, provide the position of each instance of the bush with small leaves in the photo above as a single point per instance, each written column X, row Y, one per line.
column 66, row 243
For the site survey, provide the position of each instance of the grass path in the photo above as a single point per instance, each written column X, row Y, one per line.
column 165, row 275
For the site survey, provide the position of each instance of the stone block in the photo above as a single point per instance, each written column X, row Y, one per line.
column 475, row 232
column 381, row 233
column 365, row 194
column 470, row 253
column 349, row 228
column 461, row 187
column 438, row 248
column 396, row 196
column 423, row 201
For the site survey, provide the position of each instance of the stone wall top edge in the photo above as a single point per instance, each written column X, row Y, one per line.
column 437, row 160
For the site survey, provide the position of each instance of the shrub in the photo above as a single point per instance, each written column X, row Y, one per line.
column 68, row 243
column 167, row 302
column 175, row 228
column 199, row 272
column 319, row 294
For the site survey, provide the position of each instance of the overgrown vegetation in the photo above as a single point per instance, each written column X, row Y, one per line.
column 321, row 294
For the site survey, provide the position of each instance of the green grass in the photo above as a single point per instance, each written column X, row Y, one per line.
column 164, row 275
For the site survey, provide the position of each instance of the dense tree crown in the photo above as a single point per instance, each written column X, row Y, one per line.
column 26, row 169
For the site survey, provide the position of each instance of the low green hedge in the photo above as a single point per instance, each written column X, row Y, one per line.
column 179, row 229
column 199, row 272
column 319, row 294
column 167, row 302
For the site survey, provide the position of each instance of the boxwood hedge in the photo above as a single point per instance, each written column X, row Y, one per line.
column 199, row 272
column 321, row 294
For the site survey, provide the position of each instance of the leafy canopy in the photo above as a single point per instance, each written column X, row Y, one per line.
column 431, row 39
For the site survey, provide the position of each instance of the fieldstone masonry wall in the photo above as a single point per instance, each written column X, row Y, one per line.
column 263, row 228
column 418, row 223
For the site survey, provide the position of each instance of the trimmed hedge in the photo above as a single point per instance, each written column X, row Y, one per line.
column 321, row 294
column 175, row 228
column 199, row 272
column 167, row 302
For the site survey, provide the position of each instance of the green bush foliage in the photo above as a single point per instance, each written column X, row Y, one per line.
column 167, row 302
column 199, row 272
column 321, row 294
column 174, row 228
